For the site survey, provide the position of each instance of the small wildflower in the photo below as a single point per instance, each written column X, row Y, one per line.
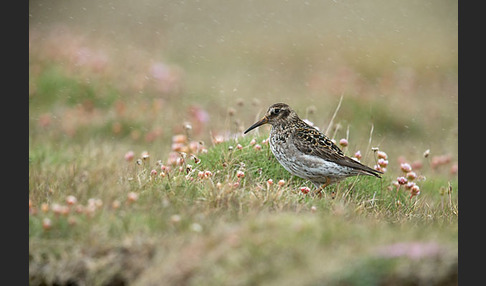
column 402, row 180
column 265, row 141
column 257, row 147
column 97, row 203
column 382, row 155
column 281, row 183
column 56, row 209
column 239, row 147
column 409, row 185
column 411, row 175
column 71, row 200
column 405, row 167
column 129, row 156
column 357, row 155
column 343, row 142
column 219, row 185
column 46, row 224
column 236, row 184
column 139, row 162
column 240, row 174
column 270, row 182
column 207, row 173
column 305, row 190
column 382, row 162
column 414, row 191
column 200, row 174
column 218, row 139
column 253, row 141
column 153, row 173
column 132, row 197
column 426, row 153
column 313, row 209
column 379, row 168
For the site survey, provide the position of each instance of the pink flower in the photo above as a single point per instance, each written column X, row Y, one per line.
column 132, row 197
column 200, row 174
column 357, row 155
column 305, row 190
column 382, row 162
column 382, row 155
column 257, row 147
column 46, row 224
column 71, row 200
column 405, row 167
column 129, row 156
column 401, row 180
column 414, row 191
column 281, row 183
column 411, row 176
column 240, row 174
column 343, row 142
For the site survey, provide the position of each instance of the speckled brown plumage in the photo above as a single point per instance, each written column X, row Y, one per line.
column 306, row 152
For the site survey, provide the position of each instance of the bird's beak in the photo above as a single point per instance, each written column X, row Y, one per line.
column 258, row 123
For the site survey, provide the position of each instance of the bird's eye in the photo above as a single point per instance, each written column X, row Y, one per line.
column 276, row 110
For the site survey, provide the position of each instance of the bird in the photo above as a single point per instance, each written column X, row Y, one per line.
column 306, row 152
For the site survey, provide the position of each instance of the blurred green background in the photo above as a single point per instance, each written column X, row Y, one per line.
column 394, row 63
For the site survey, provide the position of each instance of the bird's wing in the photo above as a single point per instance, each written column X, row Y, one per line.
column 313, row 142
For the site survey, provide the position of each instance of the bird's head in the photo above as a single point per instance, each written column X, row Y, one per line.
column 276, row 113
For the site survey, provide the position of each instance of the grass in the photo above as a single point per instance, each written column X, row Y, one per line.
column 205, row 229
column 143, row 128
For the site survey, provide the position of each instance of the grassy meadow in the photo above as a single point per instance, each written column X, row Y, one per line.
column 139, row 173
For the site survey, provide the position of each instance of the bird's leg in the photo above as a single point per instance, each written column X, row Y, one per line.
column 320, row 190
